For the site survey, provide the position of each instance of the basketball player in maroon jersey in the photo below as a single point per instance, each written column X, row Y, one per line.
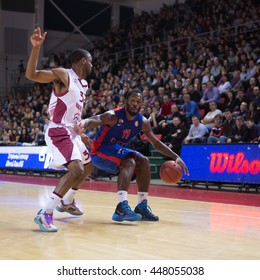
column 65, row 108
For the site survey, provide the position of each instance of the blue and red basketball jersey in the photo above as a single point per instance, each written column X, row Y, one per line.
column 121, row 133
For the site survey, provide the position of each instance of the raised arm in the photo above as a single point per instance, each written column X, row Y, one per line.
column 160, row 146
column 42, row 76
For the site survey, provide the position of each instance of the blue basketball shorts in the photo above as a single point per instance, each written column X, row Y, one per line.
column 109, row 157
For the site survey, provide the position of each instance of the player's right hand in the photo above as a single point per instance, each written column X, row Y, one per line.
column 37, row 38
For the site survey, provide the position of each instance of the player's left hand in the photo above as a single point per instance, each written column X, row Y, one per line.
column 86, row 140
column 183, row 165
column 78, row 128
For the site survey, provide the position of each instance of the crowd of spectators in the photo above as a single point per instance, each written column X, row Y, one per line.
column 204, row 89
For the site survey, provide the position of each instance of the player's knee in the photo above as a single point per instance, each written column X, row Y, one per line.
column 128, row 163
column 77, row 171
column 142, row 161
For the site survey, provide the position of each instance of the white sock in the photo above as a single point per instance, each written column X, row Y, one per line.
column 121, row 196
column 69, row 196
column 142, row 196
column 53, row 201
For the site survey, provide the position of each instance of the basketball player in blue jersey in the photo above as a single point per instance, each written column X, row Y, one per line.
column 109, row 152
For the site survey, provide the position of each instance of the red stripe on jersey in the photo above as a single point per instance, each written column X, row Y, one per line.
column 118, row 108
column 97, row 143
column 62, row 93
column 111, row 158
column 59, row 111
column 61, row 139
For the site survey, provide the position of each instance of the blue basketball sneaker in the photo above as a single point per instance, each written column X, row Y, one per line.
column 146, row 212
column 45, row 221
column 125, row 213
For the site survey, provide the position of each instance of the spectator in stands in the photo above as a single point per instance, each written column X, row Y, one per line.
column 256, row 99
column 243, row 74
column 216, row 70
column 190, row 108
column 235, row 80
column 13, row 136
column 253, row 131
column 161, row 94
column 243, row 111
column 206, row 76
column 239, row 131
column 166, row 106
column 209, row 95
column 254, row 113
column 24, row 137
column 224, row 85
column 240, row 97
column 229, row 101
column 228, row 123
column 175, row 136
column 250, row 90
column 5, row 138
column 194, row 94
column 198, row 132
column 251, row 71
column 231, row 59
column 216, row 130
column 39, row 139
column 156, row 121
column 208, row 119
column 152, row 97
column 175, row 113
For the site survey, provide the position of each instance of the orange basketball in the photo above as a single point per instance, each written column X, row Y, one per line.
column 171, row 172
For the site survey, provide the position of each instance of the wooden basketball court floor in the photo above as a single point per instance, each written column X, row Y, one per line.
column 187, row 230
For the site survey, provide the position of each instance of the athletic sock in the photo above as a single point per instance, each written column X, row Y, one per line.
column 69, row 196
column 52, row 202
column 142, row 196
column 121, row 196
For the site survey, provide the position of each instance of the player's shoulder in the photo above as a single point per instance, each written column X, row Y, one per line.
column 109, row 117
column 59, row 70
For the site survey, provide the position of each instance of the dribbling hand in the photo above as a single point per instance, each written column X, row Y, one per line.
column 183, row 165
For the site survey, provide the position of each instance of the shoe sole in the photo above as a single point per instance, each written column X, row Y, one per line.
column 42, row 228
column 144, row 218
column 71, row 213
column 149, row 220
column 119, row 218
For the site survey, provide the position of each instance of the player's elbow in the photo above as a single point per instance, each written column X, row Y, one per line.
column 30, row 75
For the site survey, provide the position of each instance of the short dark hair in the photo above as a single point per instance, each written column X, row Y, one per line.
column 77, row 55
column 132, row 92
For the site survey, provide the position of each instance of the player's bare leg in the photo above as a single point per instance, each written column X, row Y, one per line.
column 68, row 203
column 143, row 179
column 123, row 211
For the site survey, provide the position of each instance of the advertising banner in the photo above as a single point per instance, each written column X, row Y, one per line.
column 239, row 163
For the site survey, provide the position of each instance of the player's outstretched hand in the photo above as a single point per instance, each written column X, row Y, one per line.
column 183, row 165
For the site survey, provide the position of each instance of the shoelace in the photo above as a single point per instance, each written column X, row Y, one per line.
column 147, row 210
column 127, row 208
